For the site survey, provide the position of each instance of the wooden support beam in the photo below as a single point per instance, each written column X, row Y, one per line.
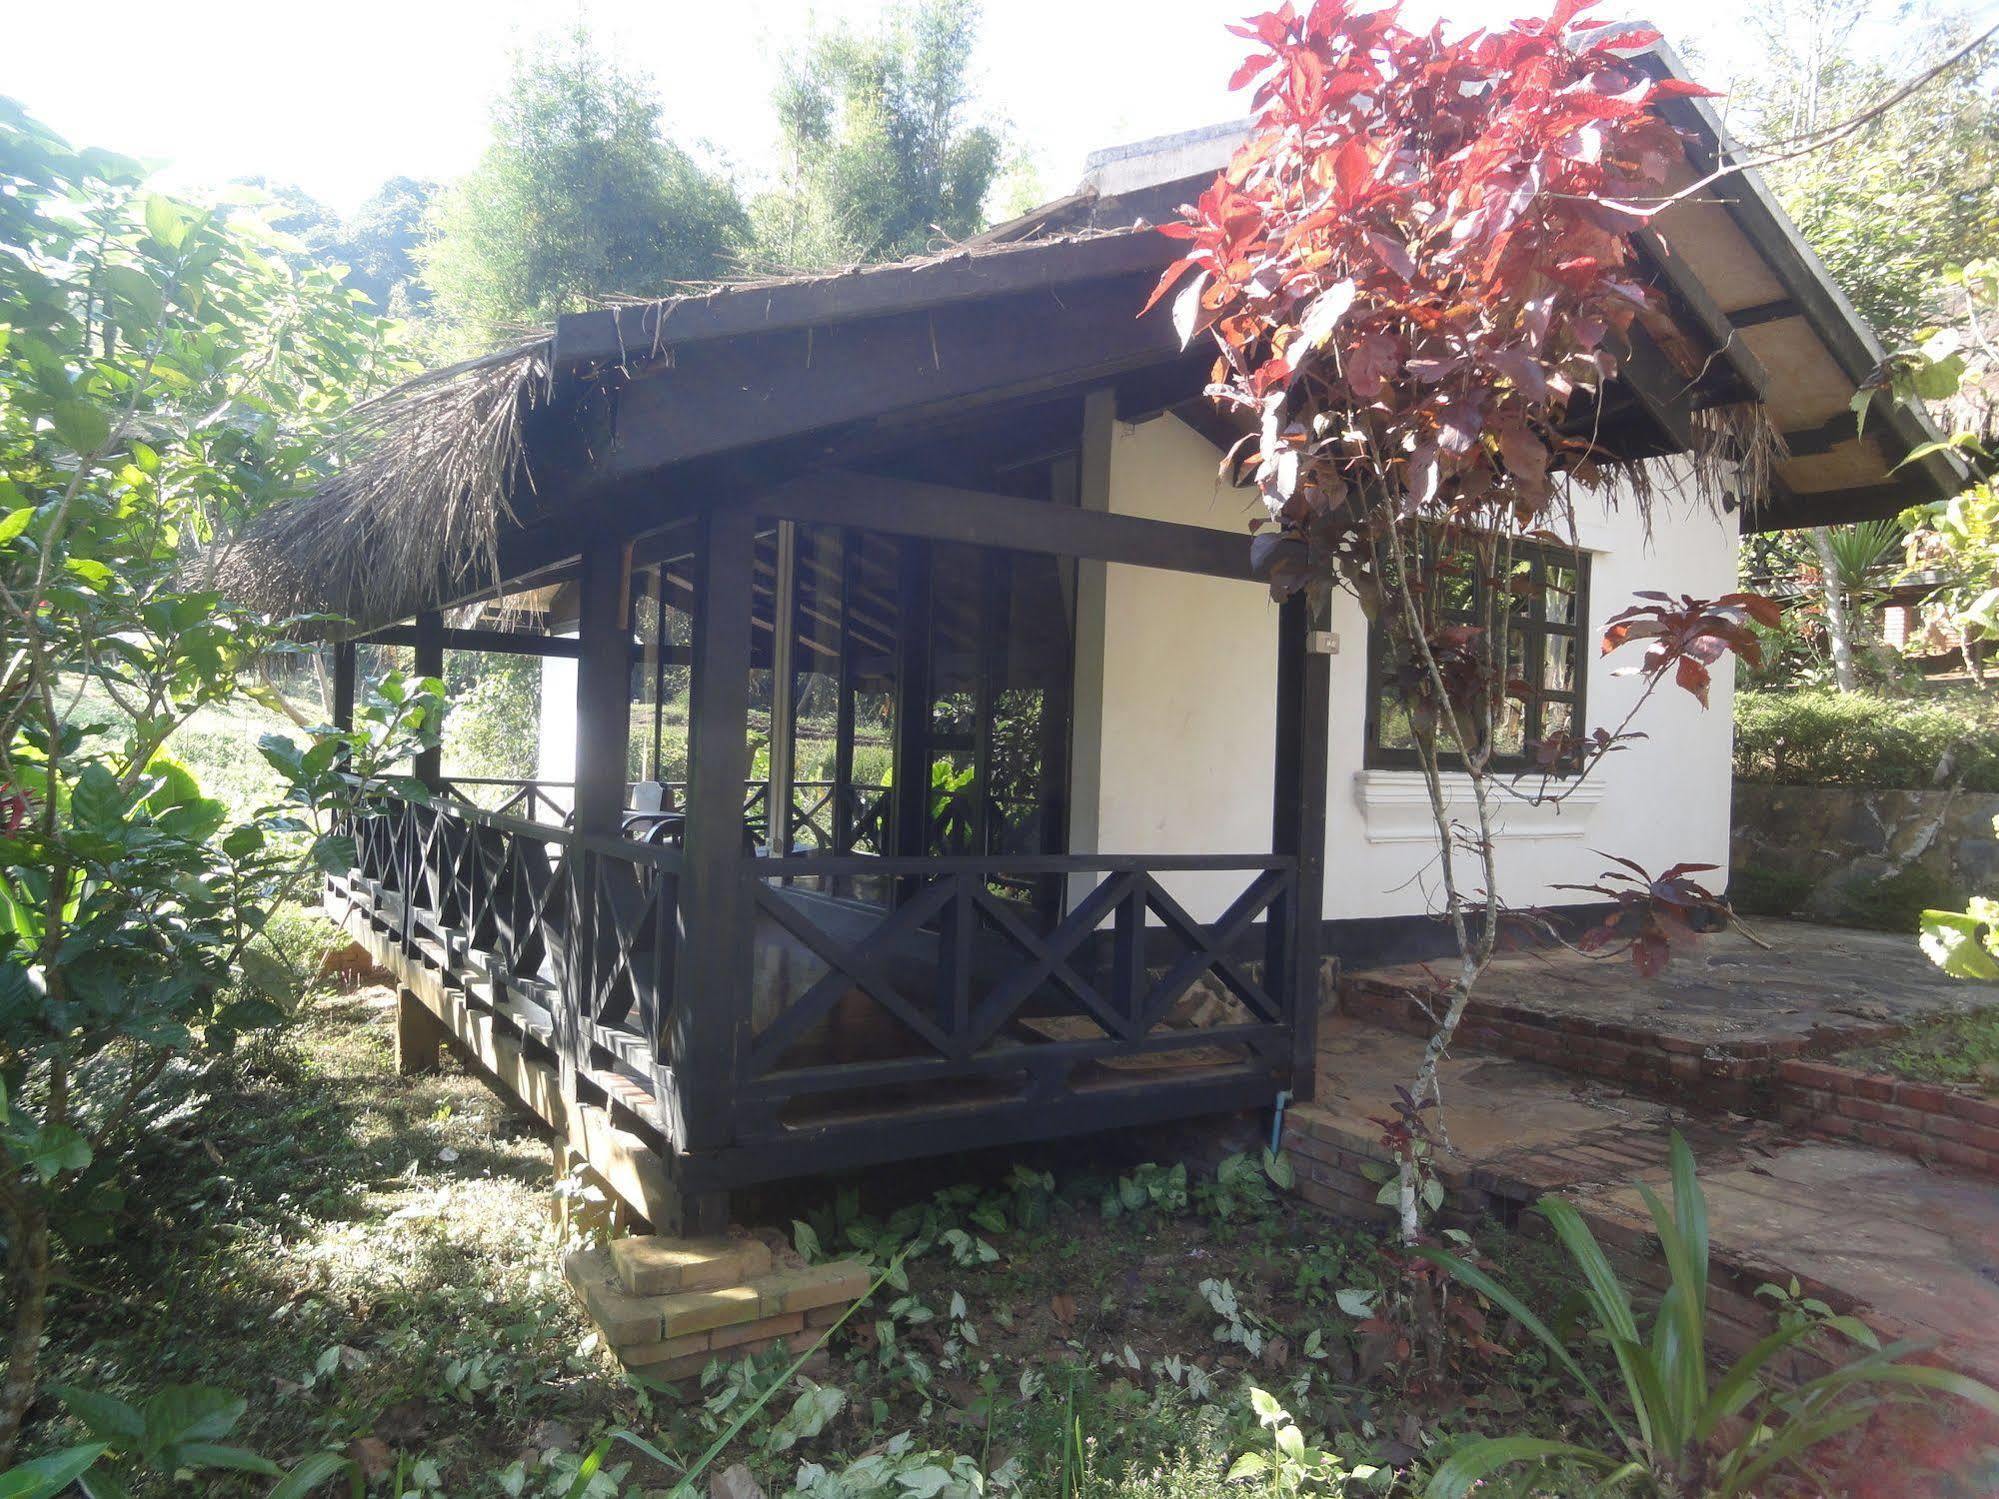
column 905, row 367
column 603, row 689
column 1086, row 712
column 941, row 512
column 1811, row 441
column 420, row 1036
column 1666, row 395
column 429, row 652
column 489, row 642
column 1719, row 327
column 711, row 1015
column 909, row 817
column 1298, row 823
column 1765, row 312
column 344, row 670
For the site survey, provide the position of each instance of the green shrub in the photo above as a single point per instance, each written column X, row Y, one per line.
column 1820, row 737
column 1756, row 891
column 1897, row 903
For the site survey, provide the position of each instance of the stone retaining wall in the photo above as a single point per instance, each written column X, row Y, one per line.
column 1859, row 855
column 1923, row 1120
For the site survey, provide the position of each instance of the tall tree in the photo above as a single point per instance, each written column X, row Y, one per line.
column 580, row 195
column 379, row 245
column 1891, row 206
column 881, row 157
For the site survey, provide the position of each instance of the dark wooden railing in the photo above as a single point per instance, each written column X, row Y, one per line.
column 964, row 1003
column 947, row 1013
column 574, row 936
column 813, row 824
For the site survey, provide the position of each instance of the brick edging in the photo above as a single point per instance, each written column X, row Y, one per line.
column 1739, row 1076
column 1924, row 1120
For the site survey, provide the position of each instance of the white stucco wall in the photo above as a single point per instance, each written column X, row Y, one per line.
column 1189, row 713
column 556, row 756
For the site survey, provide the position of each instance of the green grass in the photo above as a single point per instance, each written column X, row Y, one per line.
column 371, row 1261
column 1962, row 1051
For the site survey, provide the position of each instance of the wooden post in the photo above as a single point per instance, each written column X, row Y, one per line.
column 783, row 690
column 420, row 1035
column 603, row 688
column 429, row 651
column 1086, row 698
column 344, row 664
column 910, row 816
column 1298, row 825
column 717, row 910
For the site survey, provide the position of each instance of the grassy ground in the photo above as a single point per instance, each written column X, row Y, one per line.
column 1962, row 1051
column 371, row 1260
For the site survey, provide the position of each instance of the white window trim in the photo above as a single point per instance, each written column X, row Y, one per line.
column 1395, row 806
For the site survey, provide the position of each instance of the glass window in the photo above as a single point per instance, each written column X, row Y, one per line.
column 1544, row 606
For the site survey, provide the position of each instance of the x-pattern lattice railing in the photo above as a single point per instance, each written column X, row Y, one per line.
column 585, row 928
column 967, row 972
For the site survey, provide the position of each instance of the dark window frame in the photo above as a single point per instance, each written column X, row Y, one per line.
column 1536, row 629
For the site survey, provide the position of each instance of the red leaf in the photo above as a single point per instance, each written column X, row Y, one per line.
column 1353, row 170
column 1693, row 677
column 1173, row 273
column 1682, row 88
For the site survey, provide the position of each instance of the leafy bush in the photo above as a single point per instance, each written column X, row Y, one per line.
column 1693, row 1430
column 1819, row 737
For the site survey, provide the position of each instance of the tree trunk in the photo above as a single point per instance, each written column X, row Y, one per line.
column 28, row 1285
column 1838, row 625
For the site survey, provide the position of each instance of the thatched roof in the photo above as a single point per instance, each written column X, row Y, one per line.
column 430, row 472
column 417, row 506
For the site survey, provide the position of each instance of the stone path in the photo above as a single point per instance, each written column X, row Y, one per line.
column 1912, row 1248
column 1808, row 984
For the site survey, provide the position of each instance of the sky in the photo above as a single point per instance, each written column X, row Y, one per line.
column 335, row 98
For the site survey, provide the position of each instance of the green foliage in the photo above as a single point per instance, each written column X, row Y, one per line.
column 1818, row 737
column 164, row 375
column 579, row 195
column 1150, row 1185
column 496, row 716
column 1292, row 1466
column 1961, row 1051
column 1243, row 1185
column 1681, row 1428
column 1890, row 205
column 880, row 159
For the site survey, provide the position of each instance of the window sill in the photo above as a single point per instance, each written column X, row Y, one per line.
column 1395, row 806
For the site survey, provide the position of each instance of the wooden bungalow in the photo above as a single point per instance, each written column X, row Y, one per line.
column 971, row 502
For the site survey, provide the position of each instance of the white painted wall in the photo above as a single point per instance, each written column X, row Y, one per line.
column 1189, row 713
column 555, row 759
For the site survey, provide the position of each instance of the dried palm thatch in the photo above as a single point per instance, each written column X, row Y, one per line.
column 415, row 511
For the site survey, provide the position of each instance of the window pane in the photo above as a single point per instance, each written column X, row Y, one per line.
column 1559, row 596
column 1558, row 662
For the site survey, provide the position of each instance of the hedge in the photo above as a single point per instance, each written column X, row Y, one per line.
column 1817, row 736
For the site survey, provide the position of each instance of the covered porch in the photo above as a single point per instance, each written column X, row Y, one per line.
column 927, row 951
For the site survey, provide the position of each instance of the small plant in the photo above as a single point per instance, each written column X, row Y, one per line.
column 1243, row 1185
column 1689, row 1433
column 1291, row 1466
column 1150, row 1185
column 175, row 1430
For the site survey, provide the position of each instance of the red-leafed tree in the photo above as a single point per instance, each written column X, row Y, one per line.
column 1418, row 275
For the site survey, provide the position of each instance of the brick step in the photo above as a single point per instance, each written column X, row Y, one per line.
column 704, row 1298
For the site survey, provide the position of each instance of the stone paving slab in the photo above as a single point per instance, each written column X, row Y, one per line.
column 1917, row 1247
column 1810, row 987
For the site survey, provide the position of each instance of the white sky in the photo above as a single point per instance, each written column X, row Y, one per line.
column 336, row 98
